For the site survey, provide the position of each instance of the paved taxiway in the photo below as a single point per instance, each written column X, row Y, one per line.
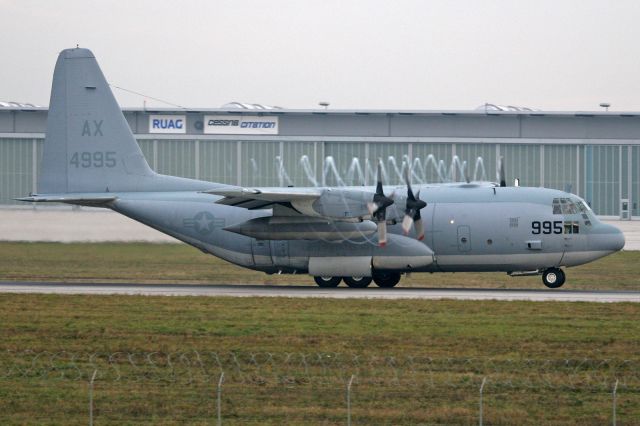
column 335, row 293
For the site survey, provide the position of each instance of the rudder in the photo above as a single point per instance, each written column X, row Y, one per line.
column 89, row 146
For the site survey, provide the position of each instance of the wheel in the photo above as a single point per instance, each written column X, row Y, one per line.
column 553, row 277
column 327, row 281
column 386, row 279
column 357, row 282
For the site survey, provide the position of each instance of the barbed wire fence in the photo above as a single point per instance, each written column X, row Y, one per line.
column 241, row 387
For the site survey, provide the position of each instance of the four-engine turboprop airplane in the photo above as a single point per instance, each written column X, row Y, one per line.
column 92, row 159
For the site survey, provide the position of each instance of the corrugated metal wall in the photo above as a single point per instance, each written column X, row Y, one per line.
column 18, row 163
column 602, row 174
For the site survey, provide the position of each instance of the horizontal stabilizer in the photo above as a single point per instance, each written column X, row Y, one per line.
column 78, row 199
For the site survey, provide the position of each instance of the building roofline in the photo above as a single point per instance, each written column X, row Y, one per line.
column 471, row 113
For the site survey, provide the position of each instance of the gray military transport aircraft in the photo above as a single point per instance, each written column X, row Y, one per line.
column 334, row 234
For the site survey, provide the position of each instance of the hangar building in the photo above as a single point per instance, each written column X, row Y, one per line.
column 593, row 154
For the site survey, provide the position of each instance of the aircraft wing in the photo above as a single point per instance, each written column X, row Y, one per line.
column 301, row 213
column 296, row 211
column 254, row 198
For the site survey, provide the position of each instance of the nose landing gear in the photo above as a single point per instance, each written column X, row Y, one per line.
column 553, row 277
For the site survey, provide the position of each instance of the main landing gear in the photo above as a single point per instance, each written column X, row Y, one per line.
column 327, row 281
column 553, row 277
column 386, row 279
column 357, row 282
column 382, row 279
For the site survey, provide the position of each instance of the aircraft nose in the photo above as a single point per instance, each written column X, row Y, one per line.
column 607, row 238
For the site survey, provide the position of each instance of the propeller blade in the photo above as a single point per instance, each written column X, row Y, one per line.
column 382, row 233
column 412, row 210
column 379, row 178
column 406, row 223
column 465, row 166
column 410, row 195
column 501, row 176
column 378, row 206
column 419, row 229
column 373, row 207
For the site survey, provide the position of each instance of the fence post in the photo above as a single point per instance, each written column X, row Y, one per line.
column 93, row 378
column 219, row 404
column 615, row 394
column 349, row 400
column 484, row 380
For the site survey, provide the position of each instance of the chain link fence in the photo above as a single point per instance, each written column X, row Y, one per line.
column 318, row 388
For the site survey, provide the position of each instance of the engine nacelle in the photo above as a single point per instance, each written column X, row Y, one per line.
column 304, row 228
column 343, row 204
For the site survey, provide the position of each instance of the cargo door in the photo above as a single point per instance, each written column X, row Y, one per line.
column 464, row 238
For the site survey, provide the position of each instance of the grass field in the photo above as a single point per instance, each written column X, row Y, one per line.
column 177, row 263
column 416, row 362
column 287, row 361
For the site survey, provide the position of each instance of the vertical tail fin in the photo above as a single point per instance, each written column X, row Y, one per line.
column 89, row 146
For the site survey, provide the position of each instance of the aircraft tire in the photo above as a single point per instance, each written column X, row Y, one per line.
column 553, row 277
column 327, row 282
column 357, row 282
column 386, row 279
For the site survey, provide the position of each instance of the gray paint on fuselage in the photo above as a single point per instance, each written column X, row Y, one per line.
column 495, row 244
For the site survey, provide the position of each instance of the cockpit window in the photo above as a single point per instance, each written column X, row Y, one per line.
column 568, row 207
column 585, row 211
column 582, row 205
column 564, row 206
column 572, row 227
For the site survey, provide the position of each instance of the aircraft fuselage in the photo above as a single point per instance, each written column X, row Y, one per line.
column 468, row 228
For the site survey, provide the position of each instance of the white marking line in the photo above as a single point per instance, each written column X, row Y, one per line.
column 340, row 293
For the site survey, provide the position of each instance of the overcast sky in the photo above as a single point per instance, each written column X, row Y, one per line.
column 375, row 54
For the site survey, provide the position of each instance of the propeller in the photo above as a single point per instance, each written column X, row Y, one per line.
column 465, row 166
column 378, row 208
column 501, row 176
column 412, row 211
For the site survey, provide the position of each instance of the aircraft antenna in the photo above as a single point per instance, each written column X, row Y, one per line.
column 146, row 96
